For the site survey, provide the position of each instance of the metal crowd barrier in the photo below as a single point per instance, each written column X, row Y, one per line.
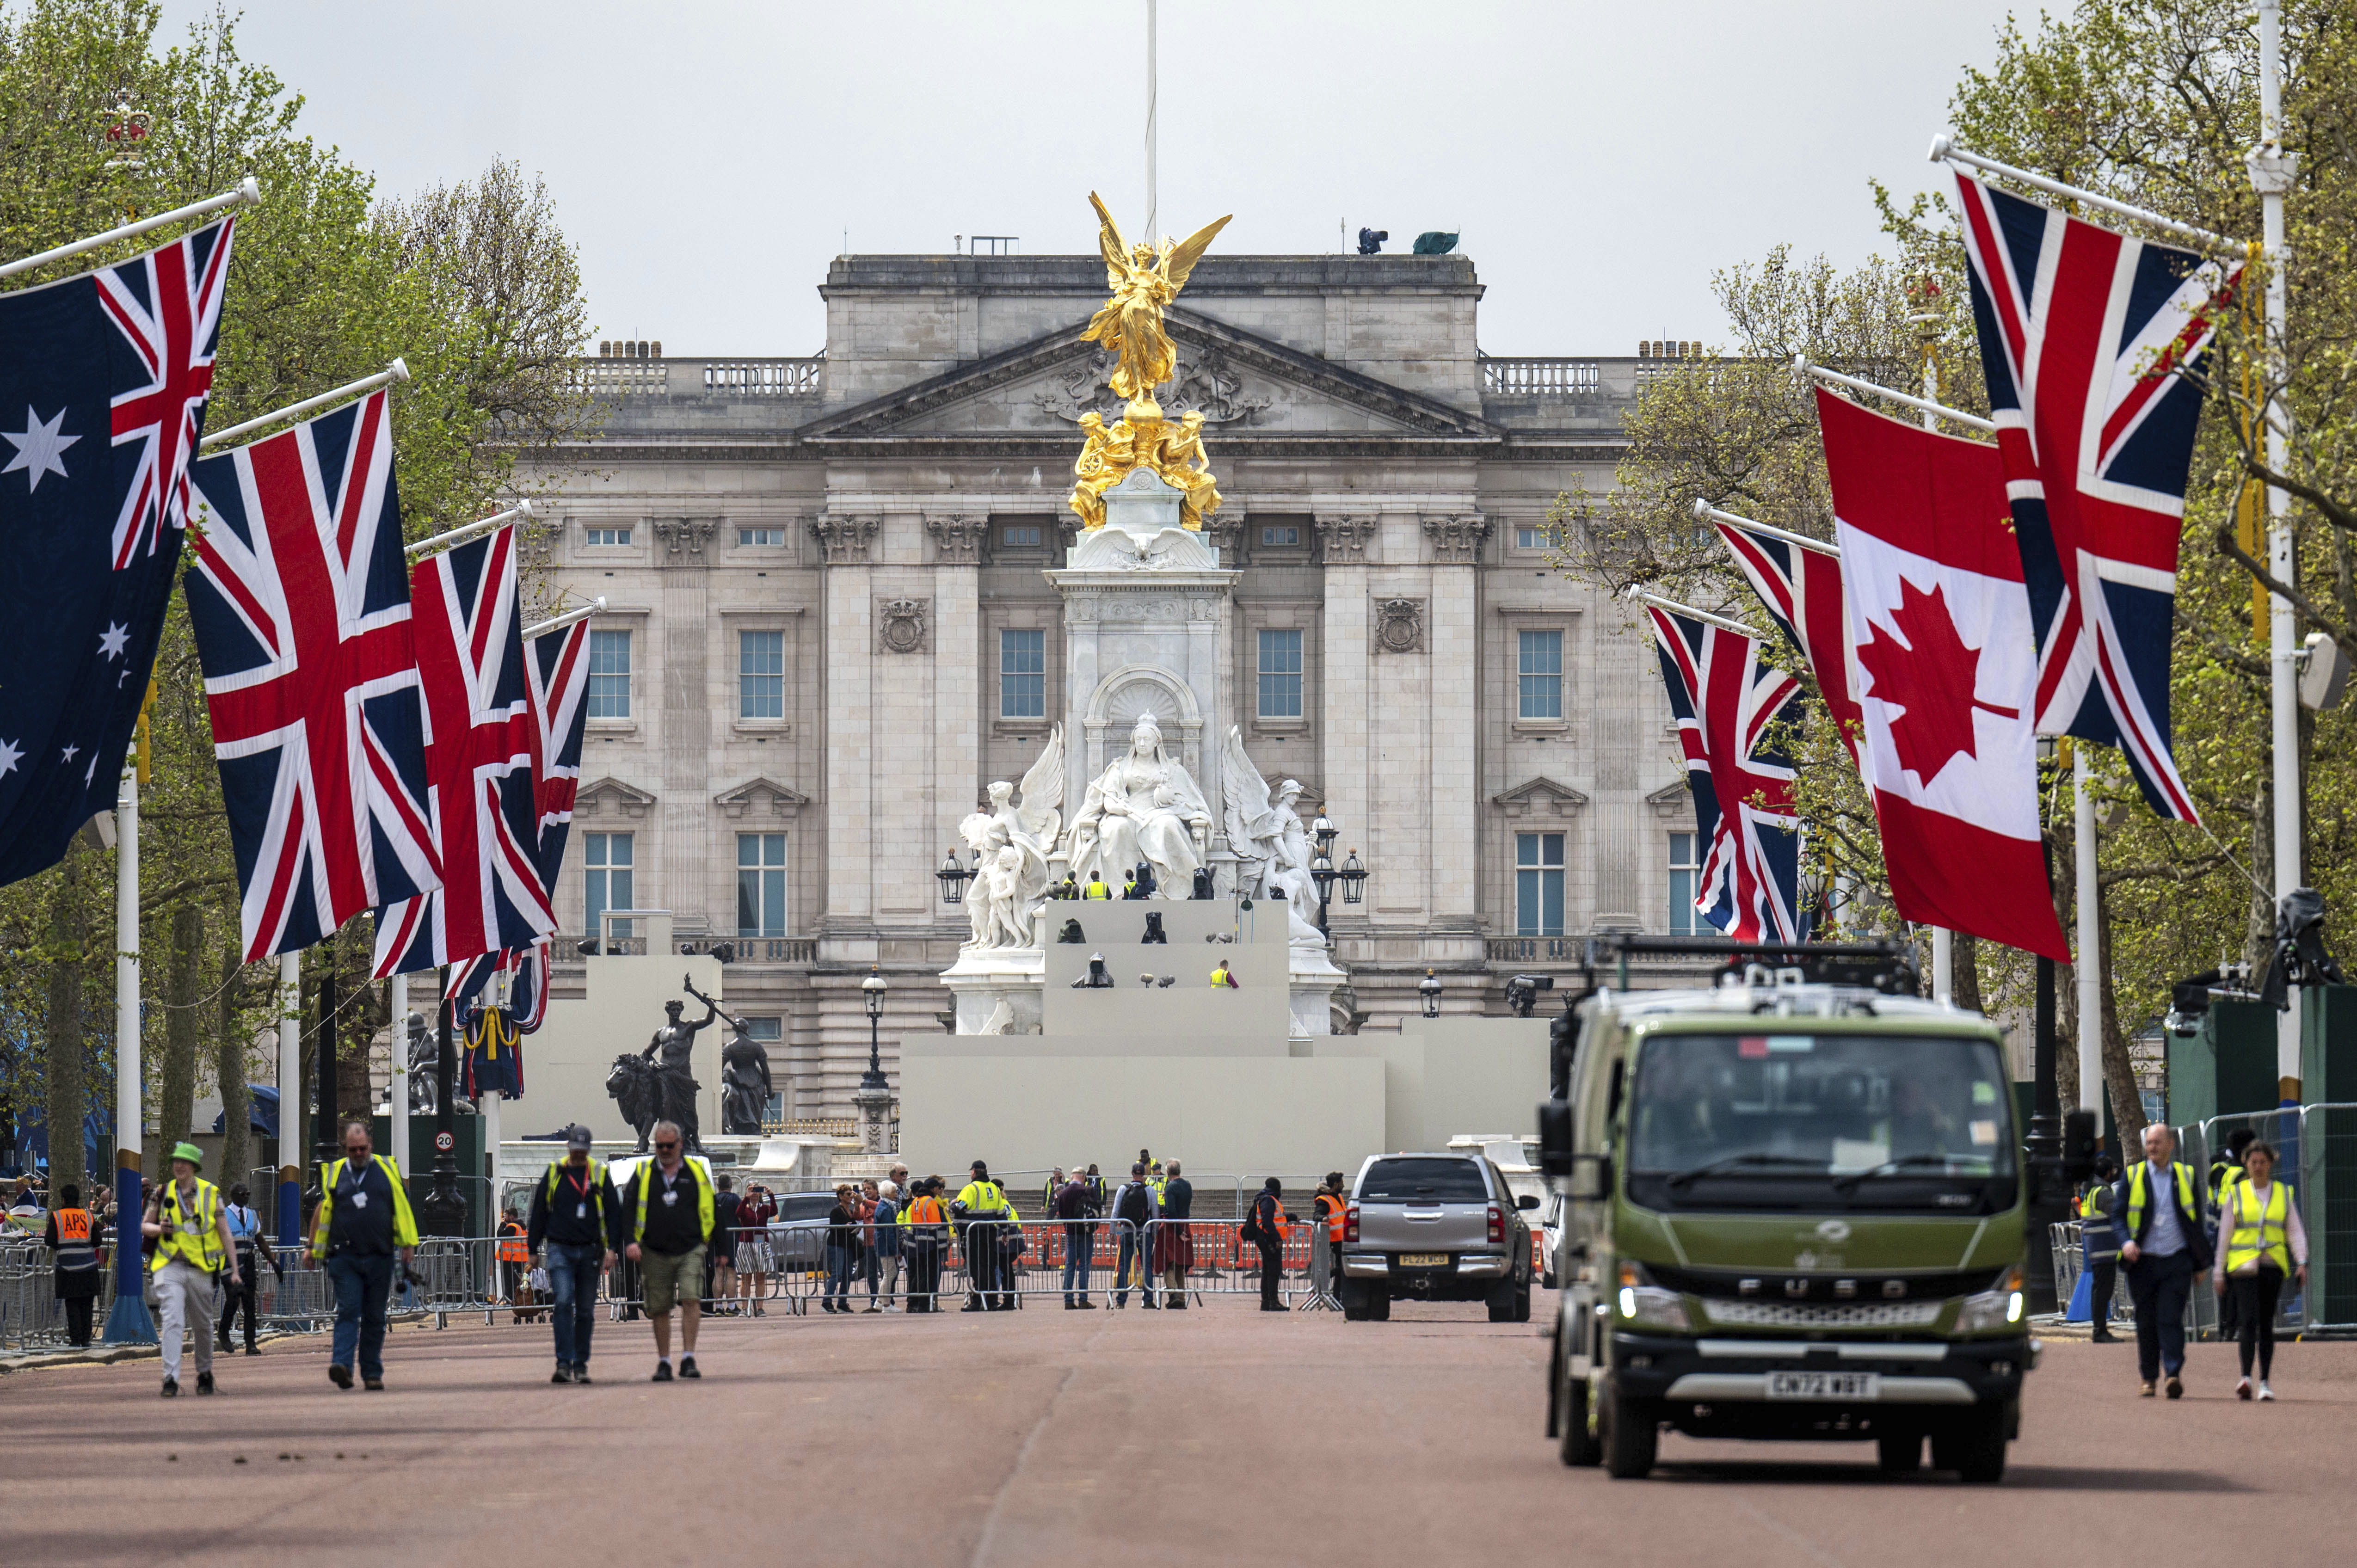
column 2069, row 1260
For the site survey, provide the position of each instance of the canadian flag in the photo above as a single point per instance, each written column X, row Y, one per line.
column 1939, row 628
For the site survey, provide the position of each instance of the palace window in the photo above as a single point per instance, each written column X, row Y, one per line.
column 1538, row 885
column 605, row 879
column 760, row 884
column 1543, row 536
column 1022, row 672
column 1280, row 673
column 1281, row 536
column 761, row 675
column 1541, row 671
column 1685, row 870
column 606, row 536
column 609, row 675
column 760, row 536
column 1023, row 537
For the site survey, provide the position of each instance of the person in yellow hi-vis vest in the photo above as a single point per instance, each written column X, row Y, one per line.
column 1096, row 888
column 192, row 1244
column 670, row 1213
column 363, row 1225
column 2260, row 1244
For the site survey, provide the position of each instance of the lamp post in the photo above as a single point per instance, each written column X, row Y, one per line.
column 1427, row 991
column 874, row 1095
column 871, row 991
column 2042, row 1148
column 1351, row 874
column 953, row 877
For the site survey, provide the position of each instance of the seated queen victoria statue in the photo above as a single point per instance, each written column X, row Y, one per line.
column 1143, row 807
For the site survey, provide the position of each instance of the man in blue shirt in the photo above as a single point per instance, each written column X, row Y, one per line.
column 245, row 1235
column 2163, row 1248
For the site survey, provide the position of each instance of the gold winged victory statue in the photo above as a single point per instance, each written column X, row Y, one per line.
column 1143, row 281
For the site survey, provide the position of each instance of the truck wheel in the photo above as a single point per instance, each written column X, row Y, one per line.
column 1522, row 1303
column 1975, row 1447
column 1354, row 1301
column 1379, row 1301
column 1578, row 1447
column 1502, row 1302
column 1630, row 1438
column 1901, row 1456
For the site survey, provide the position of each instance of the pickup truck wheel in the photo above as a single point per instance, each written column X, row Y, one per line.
column 1629, row 1437
column 1502, row 1302
column 1379, row 1301
column 1579, row 1446
column 1975, row 1447
column 1354, row 1301
column 1900, row 1456
column 1522, row 1303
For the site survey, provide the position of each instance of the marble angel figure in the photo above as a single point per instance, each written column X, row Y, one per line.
column 1271, row 846
column 1144, row 806
column 1011, row 842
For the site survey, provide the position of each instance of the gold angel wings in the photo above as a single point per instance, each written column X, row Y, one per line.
column 1144, row 282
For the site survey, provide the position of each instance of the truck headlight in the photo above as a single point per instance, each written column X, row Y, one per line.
column 1647, row 1305
column 2000, row 1307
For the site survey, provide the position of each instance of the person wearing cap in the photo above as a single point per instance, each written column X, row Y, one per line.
column 245, row 1233
column 192, row 1244
column 980, row 1206
column 362, row 1225
column 1133, row 1211
column 575, row 1218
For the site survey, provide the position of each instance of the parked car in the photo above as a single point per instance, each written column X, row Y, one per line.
column 1435, row 1227
column 798, row 1231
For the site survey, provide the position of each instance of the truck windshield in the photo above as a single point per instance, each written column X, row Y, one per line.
column 1808, row 1121
column 1423, row 1181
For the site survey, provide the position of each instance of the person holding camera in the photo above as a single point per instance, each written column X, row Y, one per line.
column 362, row 1225
column 192, row 1245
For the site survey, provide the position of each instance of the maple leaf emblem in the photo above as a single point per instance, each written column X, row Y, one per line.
column 1928, row 679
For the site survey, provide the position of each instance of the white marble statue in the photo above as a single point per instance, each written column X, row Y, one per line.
column 1143, row 807
column 1011, row 843
column 1272, row 847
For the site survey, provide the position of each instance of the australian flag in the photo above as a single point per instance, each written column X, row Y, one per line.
column 105, row 376
column 1729, row 704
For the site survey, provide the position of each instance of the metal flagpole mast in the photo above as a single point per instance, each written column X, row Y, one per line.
column 2271, row 175
column 1152, row 81
column 290, row 1099
column 127, row 1322
column 1943, row 940
column 397, row 1108
column 2091, row 946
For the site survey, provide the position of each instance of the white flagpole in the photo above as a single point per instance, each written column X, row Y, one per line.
column 2271, row 175
column 1943, row 940
column 127, row 1322
column 1945, row 151
column 457, row 536
column 1704, row 508
column 558, row 623
column 396, row 371
column 290, row 1099
column 1737, row 627
column 2088, row 974
column 247, row 194
column 1153, row 87
column 1921, row 405
column 397, row 1108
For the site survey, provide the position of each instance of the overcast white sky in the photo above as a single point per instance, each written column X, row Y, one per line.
column 1600, row 159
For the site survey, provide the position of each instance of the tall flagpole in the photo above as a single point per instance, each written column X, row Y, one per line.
column 1943, row 940
column 397, row 1108
column 2271, row 175
column 2089, row 973
column 127, row 1322
column 290, row 1099
column 1153, row 80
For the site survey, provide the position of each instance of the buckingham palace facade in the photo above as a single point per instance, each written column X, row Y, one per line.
column 828, row 631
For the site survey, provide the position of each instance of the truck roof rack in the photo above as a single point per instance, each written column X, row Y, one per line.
column 1887, row 967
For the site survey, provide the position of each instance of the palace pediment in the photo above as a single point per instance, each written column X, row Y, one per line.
column 1253, row 393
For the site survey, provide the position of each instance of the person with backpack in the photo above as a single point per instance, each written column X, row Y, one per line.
column 245, row 1235
column 192, row 1245
column 1174, row 1240
column 575, row 1218
column 78, row 1276
column 1133, row 1211
column 1266, row 1227
column 1071, row 1205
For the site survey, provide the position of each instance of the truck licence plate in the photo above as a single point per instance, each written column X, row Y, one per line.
column 1423, row 1260
column 1860, row 1386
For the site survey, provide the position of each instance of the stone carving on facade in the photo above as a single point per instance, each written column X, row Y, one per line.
column 845, row 541
column 1457, row 541
column 1265, row 834
column 1086, row 386
column 1226, row 535
column 685, row 535
column 1146, row 807
column 1012, row 843
column 1206, row 384
column 1399, row 625
column 957, row 540
column 1346, row 538
column 901, row 625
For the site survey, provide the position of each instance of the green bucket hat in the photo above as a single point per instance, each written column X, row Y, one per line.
column 189, row 1153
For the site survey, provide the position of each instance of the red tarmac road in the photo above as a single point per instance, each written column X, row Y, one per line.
column 1220, row 1435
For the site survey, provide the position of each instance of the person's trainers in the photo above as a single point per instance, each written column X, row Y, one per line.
column 204, row 1382
column 2101, row 1337
column 2266, row 1392
column 564, row 1374
column 2145, row 1388
column 171, row 1387
column 1088, row 1306
column 2243, row 1389
column 581, row 1372
column 340, row 1376
column 374, row 1384
column 687, row 1366
column 663, row 1372
column 2175, row 1386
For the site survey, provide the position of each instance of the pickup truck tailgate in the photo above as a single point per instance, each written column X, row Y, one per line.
column 1424, row 1228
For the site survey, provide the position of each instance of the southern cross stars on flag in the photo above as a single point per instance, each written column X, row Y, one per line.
column 109, row 372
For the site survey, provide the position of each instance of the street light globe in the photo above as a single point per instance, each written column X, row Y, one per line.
column 1323, row 830
column 872, row 990
column 1427, row 991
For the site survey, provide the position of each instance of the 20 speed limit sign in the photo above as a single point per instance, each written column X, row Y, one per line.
column 445, row 1142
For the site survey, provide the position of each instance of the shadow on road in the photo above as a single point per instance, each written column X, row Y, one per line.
column 2029, row 1477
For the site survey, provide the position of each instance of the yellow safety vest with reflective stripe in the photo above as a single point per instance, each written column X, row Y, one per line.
column 596, row 1191
column 404, row 1223
column 2263, row 1233
column 1096, row 889
column 703, row 1198
column 204, row 1248
column 983, row 1199
column 2187, row 1213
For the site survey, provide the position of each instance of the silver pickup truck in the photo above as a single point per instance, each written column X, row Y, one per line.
column 1435, row 1227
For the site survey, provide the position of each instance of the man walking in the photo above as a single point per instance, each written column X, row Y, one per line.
column 1133, row 1211
column 245, row 1236
column 982, row 1205
column 574, row 1219
column 363, row 1222
column 1268, row 1231
column 1174, row 1241
column 2163, row 1249
column 670, row 1226
column 1071, row 1205
column 192, row 1243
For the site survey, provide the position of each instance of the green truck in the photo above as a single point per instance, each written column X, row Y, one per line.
column 1796, row 1210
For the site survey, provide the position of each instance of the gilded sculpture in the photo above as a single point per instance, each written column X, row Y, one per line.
column 1143, row 281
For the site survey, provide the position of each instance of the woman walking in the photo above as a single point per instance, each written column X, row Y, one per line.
column 2261, row 1240
column 841, row 1238
column 79, row 1275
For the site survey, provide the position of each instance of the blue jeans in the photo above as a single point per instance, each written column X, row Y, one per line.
column 838, row 1276
column 362, row 1282
column 1131, row 1253
column 1078, row 1240
column 573, row 1270
column 2159, row 1286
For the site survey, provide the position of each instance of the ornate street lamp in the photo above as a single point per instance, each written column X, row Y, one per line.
column 872, row 991
column 953, row 877
column 1353, row 876
column 1427, row 991
column 1321, row 871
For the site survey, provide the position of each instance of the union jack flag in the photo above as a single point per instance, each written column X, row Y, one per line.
column 1801, row 588
column 527, row 990
column 167, row 303
column 301, row 612
column 556, row 666
column 1727, row 703
column 479, row 751
column 2085, row 336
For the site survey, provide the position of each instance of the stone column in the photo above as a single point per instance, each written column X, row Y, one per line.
column 682, row 849
column 1452, row 632
column 846, row 929
column 1349, row 540
column 959, row 661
